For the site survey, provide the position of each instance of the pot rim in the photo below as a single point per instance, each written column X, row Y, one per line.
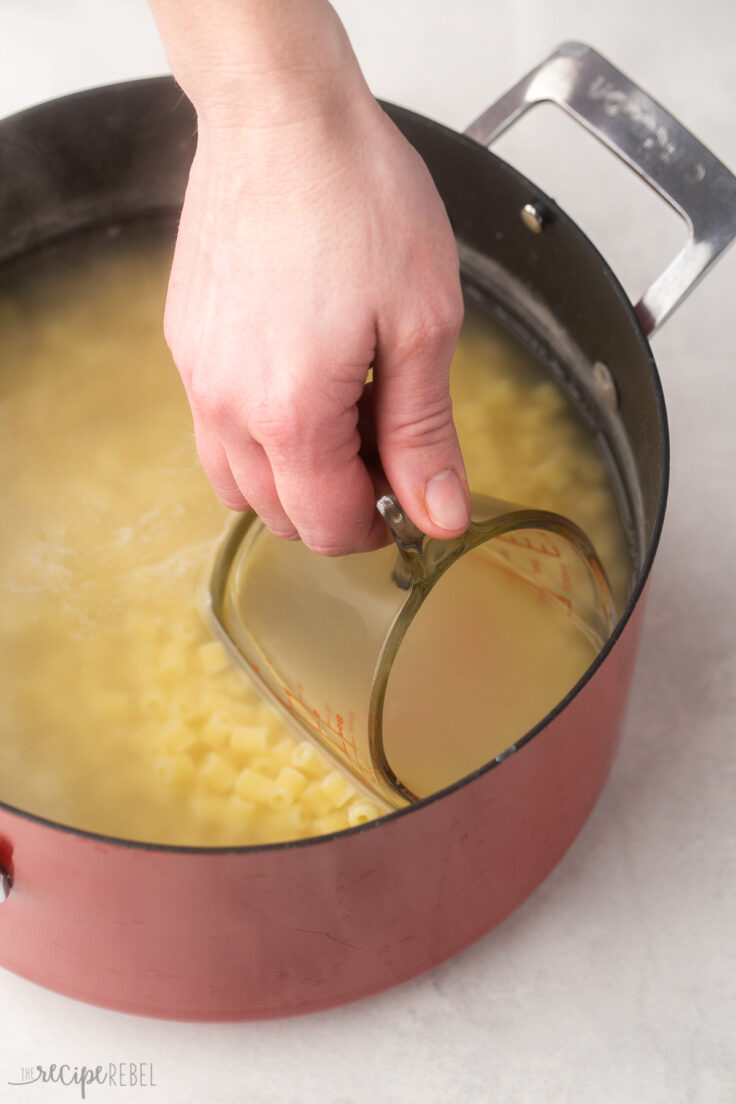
column 637, row 588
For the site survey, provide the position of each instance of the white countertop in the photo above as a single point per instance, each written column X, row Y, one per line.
column 615, row 983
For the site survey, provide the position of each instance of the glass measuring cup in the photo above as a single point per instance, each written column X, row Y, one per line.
column 322, row 636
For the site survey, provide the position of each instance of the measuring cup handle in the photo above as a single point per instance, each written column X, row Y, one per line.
column 640, row 131
column 403, row 530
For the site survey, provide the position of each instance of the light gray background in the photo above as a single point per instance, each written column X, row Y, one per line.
column 615, row 983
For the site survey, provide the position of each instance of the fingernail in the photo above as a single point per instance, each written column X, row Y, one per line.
column 446, row 502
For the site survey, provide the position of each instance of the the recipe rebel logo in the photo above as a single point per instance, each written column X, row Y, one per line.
column 119, row 1075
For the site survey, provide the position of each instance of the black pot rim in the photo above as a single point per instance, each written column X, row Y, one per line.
column 637, row 589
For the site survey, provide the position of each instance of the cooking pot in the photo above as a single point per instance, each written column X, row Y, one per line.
column 251, row 932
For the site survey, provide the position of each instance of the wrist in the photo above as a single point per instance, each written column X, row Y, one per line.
column 258, row 64
column 252, row 104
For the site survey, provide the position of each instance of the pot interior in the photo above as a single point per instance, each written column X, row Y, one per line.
column 114, row 162
column 121, row 153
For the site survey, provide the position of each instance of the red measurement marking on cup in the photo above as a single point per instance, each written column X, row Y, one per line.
column 341, row 734
column 559, row 599
column 332, row 727
column 326, row 732
column 564, row 603
column 543, row 546
column 322, row 727
column 353, row 751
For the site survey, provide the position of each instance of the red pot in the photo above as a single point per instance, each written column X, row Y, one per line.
column 250, row 932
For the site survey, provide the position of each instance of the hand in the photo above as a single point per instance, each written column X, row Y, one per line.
column 312, row 246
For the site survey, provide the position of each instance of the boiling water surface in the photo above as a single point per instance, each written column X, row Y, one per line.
column 119, row 713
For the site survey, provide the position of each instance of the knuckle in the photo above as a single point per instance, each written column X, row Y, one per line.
column 279, row 425
column 424, row 427
column 450, row 311
column 349, row 530
column 438, row 325
column 275, row 430
column 209, row 398
column 283, row 531
column 325, row 546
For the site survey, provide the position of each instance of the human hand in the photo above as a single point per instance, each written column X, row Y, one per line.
column 312, row 246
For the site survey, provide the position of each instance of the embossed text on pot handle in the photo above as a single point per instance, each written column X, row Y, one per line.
column 651, row 141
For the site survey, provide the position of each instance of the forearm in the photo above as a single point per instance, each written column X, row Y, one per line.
column 258, row 63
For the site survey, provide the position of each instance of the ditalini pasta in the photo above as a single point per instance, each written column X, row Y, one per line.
column 120, row 714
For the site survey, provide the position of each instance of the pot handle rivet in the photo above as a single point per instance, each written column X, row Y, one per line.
column 533, row 217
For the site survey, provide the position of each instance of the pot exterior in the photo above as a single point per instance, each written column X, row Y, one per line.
column 275, row 931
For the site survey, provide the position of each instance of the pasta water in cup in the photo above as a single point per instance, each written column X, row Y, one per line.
column 414, row 665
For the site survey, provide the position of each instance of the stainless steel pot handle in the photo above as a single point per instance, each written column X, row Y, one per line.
column 647, row 138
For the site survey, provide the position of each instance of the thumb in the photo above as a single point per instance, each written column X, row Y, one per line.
column 416, row 435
